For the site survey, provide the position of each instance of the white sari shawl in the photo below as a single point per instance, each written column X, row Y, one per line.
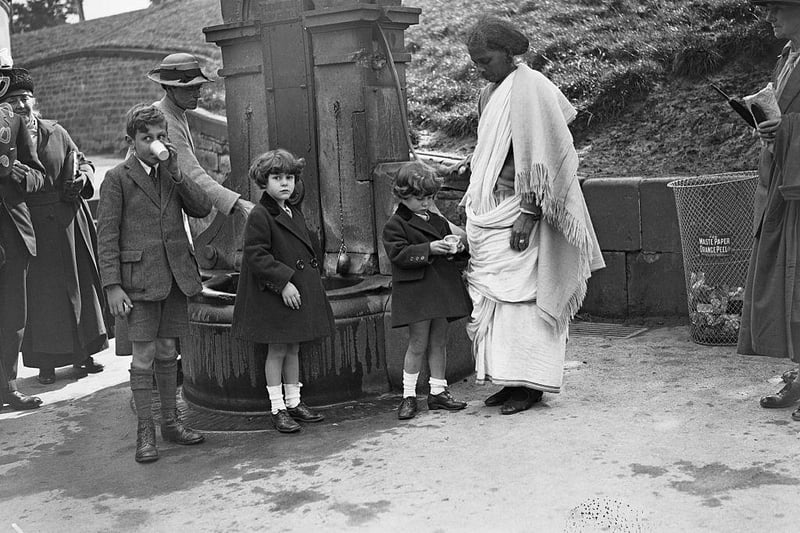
column 523, row 301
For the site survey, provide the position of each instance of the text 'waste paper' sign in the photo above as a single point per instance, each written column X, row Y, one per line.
column 715, row 245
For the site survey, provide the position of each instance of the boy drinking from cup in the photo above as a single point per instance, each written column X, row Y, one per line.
column 148, row 268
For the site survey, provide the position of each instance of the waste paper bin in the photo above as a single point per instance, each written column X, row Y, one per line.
column 715, row 217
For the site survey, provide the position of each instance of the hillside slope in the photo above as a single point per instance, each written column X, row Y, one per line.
column 636, row 70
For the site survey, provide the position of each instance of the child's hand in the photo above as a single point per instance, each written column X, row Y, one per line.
column 291, row 296
column 118, row 301
column 439, row 247
column 172, row 162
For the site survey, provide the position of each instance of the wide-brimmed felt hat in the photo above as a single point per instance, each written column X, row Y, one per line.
column 178, row 70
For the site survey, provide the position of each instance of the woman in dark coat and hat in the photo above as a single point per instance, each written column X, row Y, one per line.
column 65, row 323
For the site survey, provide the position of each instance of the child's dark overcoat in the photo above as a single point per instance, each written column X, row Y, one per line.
column 278, row 249
column 424, row 286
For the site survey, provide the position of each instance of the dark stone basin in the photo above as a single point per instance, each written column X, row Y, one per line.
column 365, row 356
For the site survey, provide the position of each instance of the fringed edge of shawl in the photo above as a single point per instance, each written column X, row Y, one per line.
column 573, row 306
column 534, row 186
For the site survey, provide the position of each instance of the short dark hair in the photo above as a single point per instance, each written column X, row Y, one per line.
column 140, row 116
column 491, row 33
column 417, row 179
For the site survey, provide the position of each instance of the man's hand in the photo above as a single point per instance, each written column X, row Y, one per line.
column 521, row 231
column 19, row 172
column 766, row 130
column 243, row 206
column 118, row 301
column 291, row 296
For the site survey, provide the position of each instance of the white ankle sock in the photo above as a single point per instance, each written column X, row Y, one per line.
column 437, row 385
column 291, row 394
column 276, row 398
column 410, row 384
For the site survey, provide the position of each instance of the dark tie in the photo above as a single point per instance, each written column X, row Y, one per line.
column 154, row 177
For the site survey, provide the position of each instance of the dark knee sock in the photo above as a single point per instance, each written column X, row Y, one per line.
column 166, row 380
column 141, row 386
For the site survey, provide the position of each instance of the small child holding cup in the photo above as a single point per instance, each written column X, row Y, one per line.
column 427, row 288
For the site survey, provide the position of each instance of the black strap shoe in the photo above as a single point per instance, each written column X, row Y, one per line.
column 304, row 414
column 408, row 408
column 284, row 423
column 444, row 400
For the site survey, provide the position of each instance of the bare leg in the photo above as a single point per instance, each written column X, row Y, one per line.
column 418, row 335
column 437, row 351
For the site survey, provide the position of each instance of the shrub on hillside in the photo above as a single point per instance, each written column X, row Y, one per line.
column 604, row 54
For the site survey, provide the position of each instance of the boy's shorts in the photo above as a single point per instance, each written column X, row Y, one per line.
column 163, row 319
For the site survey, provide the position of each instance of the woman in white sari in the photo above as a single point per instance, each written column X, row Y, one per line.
column 531, row 241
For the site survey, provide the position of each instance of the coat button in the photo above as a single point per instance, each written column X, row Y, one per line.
column 314, row 263
column 300, row 264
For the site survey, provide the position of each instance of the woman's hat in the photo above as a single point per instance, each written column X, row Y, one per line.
column 178, row 70
column 13, row 81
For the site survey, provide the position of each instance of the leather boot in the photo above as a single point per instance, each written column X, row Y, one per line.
column 173, row 430
column 146, row 451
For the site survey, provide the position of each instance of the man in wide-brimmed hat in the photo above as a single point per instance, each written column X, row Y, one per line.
column 181, row 78
column 20, row 173
column 771, row 312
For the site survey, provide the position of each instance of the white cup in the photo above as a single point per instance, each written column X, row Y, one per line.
column 159, row 150
column 453, row 241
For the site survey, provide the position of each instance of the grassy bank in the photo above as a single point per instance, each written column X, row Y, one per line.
column 636, row 70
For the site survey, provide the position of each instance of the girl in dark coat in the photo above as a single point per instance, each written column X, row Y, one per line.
column 280, row 300
column 427, row 289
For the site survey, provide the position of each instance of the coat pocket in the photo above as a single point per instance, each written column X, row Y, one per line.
column 132, row 275
column 409, row 274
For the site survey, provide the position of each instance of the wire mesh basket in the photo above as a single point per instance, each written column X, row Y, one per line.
column 715, row 217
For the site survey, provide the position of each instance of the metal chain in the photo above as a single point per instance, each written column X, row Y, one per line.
column 337, row 107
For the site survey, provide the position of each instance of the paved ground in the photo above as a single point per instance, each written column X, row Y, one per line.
column 653, row 424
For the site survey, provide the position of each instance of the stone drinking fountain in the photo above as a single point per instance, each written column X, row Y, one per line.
column 325, row 80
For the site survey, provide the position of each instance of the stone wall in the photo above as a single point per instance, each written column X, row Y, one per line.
column 210, row 135
column 89, row 91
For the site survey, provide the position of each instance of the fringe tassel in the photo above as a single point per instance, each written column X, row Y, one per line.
column 533, row 184
column 573, row 305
